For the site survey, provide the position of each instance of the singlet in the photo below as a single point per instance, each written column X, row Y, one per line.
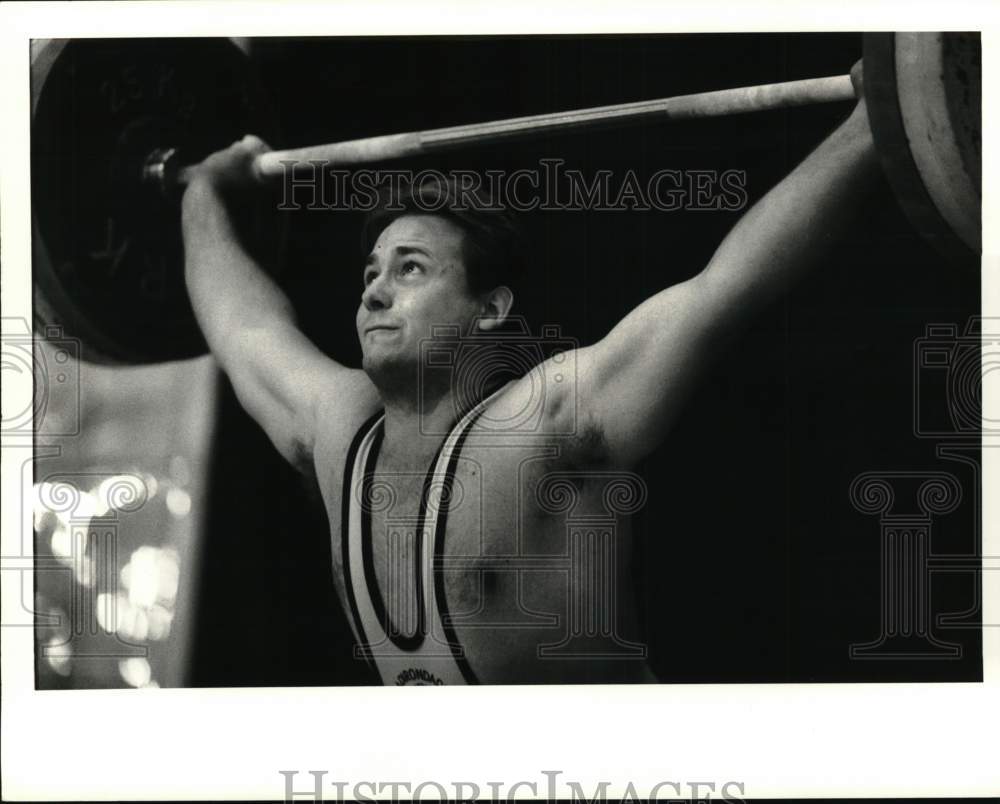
column 431, row 655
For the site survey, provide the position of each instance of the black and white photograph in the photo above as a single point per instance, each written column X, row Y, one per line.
column 646, row 367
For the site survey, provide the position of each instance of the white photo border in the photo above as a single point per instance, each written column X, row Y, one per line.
column 901, row 740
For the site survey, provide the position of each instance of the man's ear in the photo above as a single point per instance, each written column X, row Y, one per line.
column 496, row 306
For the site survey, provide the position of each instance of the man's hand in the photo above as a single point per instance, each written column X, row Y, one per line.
column 858, row 80
column 232, row 168
column 225, row 185
column 860, row 113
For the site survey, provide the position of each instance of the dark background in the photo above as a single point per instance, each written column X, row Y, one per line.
column 755, row 566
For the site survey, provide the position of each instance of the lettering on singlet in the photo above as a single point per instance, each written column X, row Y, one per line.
column 418, row 677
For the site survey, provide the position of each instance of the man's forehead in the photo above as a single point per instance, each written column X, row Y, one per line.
column 431, row 234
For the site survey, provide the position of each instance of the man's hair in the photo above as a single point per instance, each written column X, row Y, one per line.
column 493, row 243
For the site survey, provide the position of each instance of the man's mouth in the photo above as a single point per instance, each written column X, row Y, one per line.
column 380, row 328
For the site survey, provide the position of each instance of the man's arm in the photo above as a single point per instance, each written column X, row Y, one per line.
column 278, row 374
column 632, row 383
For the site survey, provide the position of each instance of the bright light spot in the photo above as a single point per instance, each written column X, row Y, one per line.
column 152, row 486
column 54, row 497
column 87, row 507
column 62, row 541
column 152, row 685
column 178, row 502
column 117, row 616
column 83, row 570
column 131, row 621
column 170, row 574
column 152, row 574
column 52, row 623
column 135, row 671
column 61, row 657
column 160, row 619
column 141, row 576
column 104, row 608
column 41, row 518
column 135, row 624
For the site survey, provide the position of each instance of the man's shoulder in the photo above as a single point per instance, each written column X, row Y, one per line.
column 524, row 418
column 543, row 401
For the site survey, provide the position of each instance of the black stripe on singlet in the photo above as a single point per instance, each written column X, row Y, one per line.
column 400, row 640
column 440, row 597
column 345, row 533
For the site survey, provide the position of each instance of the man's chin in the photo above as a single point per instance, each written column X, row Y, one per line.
column 386, row 368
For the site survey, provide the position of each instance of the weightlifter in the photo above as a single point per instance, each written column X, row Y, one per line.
column 438, row 504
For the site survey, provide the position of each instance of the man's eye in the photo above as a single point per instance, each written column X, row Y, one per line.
column 409, row 267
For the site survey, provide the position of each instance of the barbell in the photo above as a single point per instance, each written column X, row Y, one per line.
column 118, row 126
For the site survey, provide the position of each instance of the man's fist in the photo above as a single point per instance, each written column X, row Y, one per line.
column 233, row 167
column 858, row 80
column 227, row 182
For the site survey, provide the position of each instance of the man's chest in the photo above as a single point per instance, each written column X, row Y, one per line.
column 491, row 544
column 490, row 502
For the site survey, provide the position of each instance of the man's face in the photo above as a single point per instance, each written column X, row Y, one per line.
column 414, row 279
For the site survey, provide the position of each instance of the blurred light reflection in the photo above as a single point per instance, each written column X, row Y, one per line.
column 62, row 543
column 114, row 514
column 178, row 502
column 151, row 575
column 135, row 671
column 60, row 656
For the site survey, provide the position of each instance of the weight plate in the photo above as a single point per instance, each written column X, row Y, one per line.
column 107, row 249
column 924, row 97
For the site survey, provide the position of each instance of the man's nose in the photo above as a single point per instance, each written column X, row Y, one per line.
column 377, row 294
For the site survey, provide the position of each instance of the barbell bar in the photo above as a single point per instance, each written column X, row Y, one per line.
column 367, row 150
